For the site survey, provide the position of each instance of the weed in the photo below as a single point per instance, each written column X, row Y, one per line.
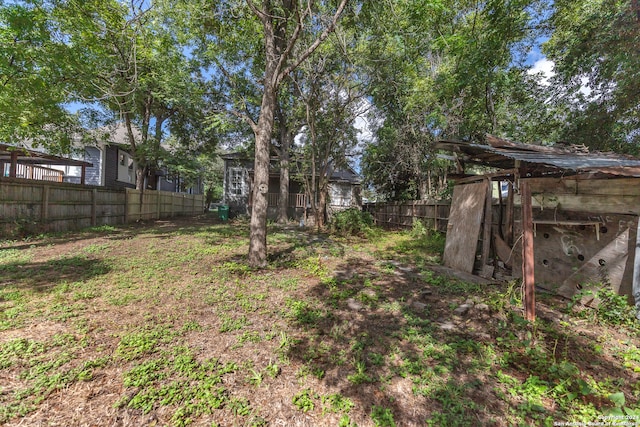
column 336, row 403
column 620, row 411
column 360, row 376
column 613, row 309
column 302, row 312
column 248, row 336
column 239, row 406
column 382, row 417
column 235, row 268
column 304, row 400
column 376, row 359
column 232, row 324
column 191, row 325
column 95, row 248
column 255, row 377
column 287, row 283
column 136, row 344
column 272, row 369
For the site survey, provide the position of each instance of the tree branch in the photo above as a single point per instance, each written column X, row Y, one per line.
column 315, row 44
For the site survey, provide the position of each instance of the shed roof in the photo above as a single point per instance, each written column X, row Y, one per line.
column 27, row 156
column 500, row 153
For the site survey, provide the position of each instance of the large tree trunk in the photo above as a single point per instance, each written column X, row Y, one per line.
column 258, row 231
column 321, row 211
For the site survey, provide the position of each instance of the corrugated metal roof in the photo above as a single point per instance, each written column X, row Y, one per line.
column 502, row 154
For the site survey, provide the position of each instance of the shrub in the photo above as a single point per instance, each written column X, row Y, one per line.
column 426, row 237
column 353, row 222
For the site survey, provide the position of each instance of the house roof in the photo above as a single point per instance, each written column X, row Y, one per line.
column 502, row 154
column 234, row 156
column 27, row 156
column 344, row 175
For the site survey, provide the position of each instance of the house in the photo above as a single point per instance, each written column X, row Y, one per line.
column 344, row 188
column 113, row 166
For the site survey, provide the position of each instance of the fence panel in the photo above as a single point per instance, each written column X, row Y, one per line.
column 31, row 207
column 403, row 214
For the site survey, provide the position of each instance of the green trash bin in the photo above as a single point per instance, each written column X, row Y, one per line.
column 223, row 212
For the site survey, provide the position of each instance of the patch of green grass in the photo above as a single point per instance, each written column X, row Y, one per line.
column 287, row 283
column 457, row 409
column 383, row 417
column 336, row 403
column 360, row 376
column 304, row 400
column 95, row 248
column 176, row 380
column 314, row 266
column 230, row 323
column 303, row 312
column 136, row 344
column 43, row 367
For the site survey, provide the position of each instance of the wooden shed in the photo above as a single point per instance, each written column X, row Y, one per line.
column 562, row 218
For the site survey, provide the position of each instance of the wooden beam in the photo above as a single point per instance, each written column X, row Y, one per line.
column 528, row 265
column 83, row 174
column 635, row 290
column 509, row 216
column 486, row 227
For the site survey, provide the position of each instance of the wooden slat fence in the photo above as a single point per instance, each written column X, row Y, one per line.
column 28, row 206
column 403, row 214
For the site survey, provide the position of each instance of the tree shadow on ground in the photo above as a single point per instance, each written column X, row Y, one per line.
column 44, row 276
column 158, row 228
column 387, row 337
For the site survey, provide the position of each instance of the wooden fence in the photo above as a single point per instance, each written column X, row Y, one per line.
column 28, row 206
column 403, row 214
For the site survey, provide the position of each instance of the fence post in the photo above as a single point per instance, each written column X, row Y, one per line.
column 126, row 205
column 44, row 209
column 158, row 204
column 94, row 198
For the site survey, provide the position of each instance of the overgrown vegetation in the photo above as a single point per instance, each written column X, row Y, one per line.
column 337, row 332
column 352, row 222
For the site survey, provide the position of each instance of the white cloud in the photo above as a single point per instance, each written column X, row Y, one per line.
column 544, row 67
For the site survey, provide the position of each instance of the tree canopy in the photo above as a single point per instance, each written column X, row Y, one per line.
column 209, row 70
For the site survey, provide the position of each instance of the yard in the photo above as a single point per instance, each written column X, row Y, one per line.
column 164, row 324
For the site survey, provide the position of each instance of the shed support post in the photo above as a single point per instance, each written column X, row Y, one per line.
column 486, row 230
column 636, row 273
column 527, row 252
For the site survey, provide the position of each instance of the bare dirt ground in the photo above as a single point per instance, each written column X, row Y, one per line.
column 164, row 324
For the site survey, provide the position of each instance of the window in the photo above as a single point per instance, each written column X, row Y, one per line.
column 236, row 179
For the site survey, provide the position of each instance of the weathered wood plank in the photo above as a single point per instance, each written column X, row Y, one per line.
column 571, row 185
column 463, row 229
column 528, row 264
